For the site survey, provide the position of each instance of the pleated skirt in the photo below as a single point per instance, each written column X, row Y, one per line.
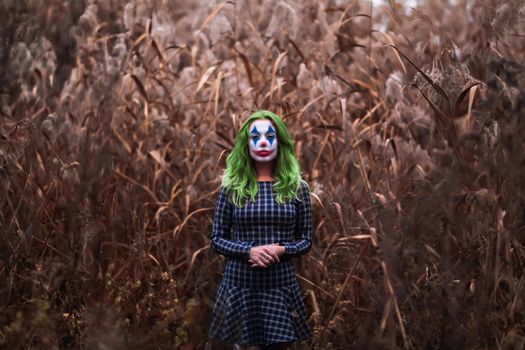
column 265, row 316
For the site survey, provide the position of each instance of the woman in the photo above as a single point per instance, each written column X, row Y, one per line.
column 263, row 219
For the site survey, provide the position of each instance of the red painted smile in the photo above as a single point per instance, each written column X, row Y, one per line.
column 263, row 153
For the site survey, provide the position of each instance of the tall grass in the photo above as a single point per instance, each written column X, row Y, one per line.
column 116, row 118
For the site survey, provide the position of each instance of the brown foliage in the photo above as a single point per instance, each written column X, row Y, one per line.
column 116, row 119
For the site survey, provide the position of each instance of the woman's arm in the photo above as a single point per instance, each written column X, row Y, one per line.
column 303, row 226
column 220, row 232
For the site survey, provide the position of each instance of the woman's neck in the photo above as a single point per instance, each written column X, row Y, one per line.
column 264, row 171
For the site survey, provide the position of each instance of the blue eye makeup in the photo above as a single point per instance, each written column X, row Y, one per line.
column 255, row 135
column 270, row 135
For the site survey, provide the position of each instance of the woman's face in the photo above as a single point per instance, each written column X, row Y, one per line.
column 263, row 140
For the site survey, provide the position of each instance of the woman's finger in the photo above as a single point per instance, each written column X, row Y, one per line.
column 261, row 262
column 257, row 261
column 264, row 257
column 272, row 254
column 269, row 258
column 254, row 262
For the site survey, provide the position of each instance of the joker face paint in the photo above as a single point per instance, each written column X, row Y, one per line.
column 263, row 140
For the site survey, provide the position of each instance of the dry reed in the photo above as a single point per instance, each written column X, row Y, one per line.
column 408, row 123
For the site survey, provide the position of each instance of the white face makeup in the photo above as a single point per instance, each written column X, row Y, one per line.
column 263, row 140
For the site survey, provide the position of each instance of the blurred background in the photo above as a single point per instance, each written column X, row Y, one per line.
column 408, row 121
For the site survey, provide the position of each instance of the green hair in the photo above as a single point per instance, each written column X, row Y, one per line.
column 239, row 178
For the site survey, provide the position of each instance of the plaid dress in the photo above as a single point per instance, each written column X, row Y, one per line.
column 260, row 306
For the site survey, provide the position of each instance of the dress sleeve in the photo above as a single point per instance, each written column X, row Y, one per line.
column 221, row 231
column 303, row 226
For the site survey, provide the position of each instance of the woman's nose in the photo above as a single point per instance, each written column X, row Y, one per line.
column 263, row 144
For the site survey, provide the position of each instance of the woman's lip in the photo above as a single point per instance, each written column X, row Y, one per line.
column 263, row 153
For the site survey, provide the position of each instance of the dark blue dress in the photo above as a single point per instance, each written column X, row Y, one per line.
column 260, row 306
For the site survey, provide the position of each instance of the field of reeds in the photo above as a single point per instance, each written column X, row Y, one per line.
column 409, row 124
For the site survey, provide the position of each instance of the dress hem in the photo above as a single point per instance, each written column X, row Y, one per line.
column 297, row 339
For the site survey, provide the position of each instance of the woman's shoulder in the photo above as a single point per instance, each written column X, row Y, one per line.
column 224, row 193
column 303, row 191
column 303, row 185
column 227, row 194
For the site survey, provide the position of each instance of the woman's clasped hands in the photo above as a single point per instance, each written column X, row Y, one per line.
column 265, row 255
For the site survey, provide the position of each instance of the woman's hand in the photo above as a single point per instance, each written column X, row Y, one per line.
column 265, row 255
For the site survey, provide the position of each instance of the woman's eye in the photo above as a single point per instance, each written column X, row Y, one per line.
column 270, row 137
